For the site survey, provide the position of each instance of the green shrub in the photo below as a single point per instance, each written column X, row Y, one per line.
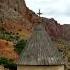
column 5, row 61
column 8, row 63
column 20, row 46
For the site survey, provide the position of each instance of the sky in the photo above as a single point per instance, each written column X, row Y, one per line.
column 57, row 9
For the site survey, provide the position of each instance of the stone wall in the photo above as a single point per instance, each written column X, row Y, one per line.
column 40, row 67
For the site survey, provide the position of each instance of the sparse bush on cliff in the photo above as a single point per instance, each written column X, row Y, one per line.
column 20, row 46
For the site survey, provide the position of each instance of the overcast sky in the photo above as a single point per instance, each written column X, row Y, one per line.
column 58, row 9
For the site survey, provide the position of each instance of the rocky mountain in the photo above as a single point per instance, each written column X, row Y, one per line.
column 66, row 31
column 54, row 29
column 17, row 18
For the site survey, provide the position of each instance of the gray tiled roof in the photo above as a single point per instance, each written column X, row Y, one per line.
column 40, row 50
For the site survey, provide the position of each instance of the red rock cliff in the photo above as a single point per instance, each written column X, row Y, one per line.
column 16, row 15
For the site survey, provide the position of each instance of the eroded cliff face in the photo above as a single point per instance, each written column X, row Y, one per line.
column 66, row 32
column 54, row 29
column 7, row 50
column 15, row 16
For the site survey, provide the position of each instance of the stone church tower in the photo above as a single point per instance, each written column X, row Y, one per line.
column 40, row 54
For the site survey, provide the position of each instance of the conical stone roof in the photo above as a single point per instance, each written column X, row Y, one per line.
column 40, row 50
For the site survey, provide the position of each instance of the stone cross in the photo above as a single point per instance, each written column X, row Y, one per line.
column 39, row 13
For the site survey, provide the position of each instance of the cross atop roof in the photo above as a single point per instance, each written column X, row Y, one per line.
column 39, row 13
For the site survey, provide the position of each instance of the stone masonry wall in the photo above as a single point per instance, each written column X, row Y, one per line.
column 40, row 67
